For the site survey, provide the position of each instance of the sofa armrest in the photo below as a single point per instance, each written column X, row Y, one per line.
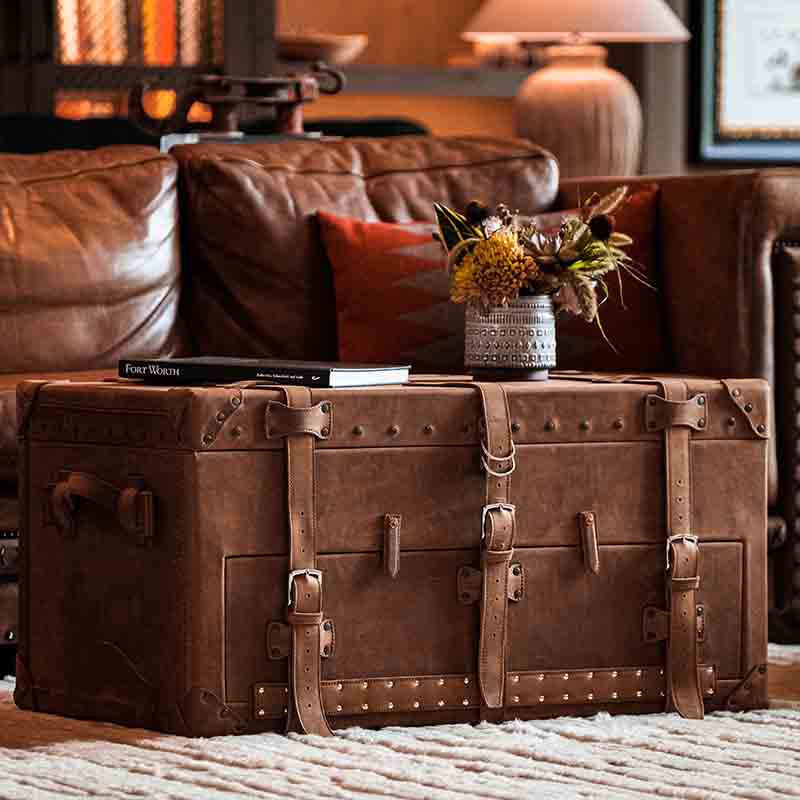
column 730, row 262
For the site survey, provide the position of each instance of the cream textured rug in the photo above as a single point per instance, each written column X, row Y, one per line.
column 754, row 755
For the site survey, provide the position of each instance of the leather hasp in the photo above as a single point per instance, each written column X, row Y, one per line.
column 281, row 420
column 587, row 524
column 391, row 544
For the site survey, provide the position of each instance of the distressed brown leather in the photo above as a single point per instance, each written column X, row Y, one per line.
column 182, row 645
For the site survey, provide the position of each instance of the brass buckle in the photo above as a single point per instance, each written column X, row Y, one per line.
column 296, row 573
column 494, row 507
column 681, row 537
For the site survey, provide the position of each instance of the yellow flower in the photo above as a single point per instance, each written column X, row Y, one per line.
column 493, row 272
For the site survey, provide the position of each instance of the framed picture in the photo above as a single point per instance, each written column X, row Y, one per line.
column 749, row 81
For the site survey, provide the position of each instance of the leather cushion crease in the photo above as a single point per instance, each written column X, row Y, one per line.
column 177, row 521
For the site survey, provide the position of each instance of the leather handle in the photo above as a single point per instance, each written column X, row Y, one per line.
column 133, row 504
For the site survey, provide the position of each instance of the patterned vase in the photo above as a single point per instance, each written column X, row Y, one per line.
column 513, row 342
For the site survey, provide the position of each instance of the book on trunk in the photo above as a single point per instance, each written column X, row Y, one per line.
column 214, row 369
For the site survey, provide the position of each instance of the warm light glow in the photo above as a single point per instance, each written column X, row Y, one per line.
column 192, row 29
column 68, row 31
column 200, row 112
column 159, row 104
column 87, row 104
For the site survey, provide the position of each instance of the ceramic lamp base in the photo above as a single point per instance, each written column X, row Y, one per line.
column 587, row 115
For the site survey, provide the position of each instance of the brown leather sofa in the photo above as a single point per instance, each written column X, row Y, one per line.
column 126, row 252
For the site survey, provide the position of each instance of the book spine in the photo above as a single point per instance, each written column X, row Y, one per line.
column 170, row 372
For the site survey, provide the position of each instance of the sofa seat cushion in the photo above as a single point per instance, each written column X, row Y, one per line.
column 8, row 412
column 89, row 259
column 258, row 284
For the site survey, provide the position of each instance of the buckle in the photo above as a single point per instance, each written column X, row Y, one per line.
column 487, row 457
column 681, row 537
column 494, row 507
column 296, row 573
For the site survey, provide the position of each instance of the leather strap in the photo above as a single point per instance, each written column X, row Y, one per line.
column 497, row 545
column 304, row 613
column 683, row 568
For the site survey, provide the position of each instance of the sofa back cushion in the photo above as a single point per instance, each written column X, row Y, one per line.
column 258, row 279
column 89, row 259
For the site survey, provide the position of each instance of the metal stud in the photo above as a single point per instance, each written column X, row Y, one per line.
column 220, row 416
column 614, row 673
column 516, row 698
column 761, row 428
column 540, row 676
column 389, row 684
column 565, row 696
column 416, row 683
column 638, row 673
column 590, row 675
column 590, row 696
column 365, row 685
column 709, row 691
column 661, row 672
column 261, row 690
column 585, row 425
column 614, row 695
column 440, row 703
column 390, row 706
column 731, row 421
column 236, row 401
column 261, row 712
column 339, row 687
column 326, row 407
column 465, row 702
column 541, row 698
column 428, row 429
column 466, row 681
column 661, row 693
column 710, row 670
column 358, row 430
column 748, row 407
column 565, row 676
column 619, row 424
column 338, row 708
column 639, row 693
column 365, row 707
column 515, row 679
column 440, row 681
column 416, row 704
column 737, row 392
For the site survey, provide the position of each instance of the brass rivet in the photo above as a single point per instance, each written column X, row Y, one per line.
column 338, row 708
column 261, row 690
column 541, row 698
column 710, row 691
column 515, row 679
column 440, row 703
column 394, row 430
column 339, row 687
column 364, row 685
column 365, row 706
column 389, row 684
column 619, row 424
column 661, row 672
column 614, row 673
column 517, row 594
column 416, row 704
column 261, row 712
column 590, row 696
column 515, row 426
column 466, row 681
column 614, row 695
column 236, row 432
column 416, row 683
column 585, row 424
column 540, row 676
column 326, row 407
column 639, row 693
column 701, row 423
column 440, row 681
column 236, row 401
column 701, row 401
column 710, row 670
column 390, row 705
column 358, row 430
column 207, row 438
column 565, row 696
column 590, row 675
column 550, row 425
column 761, row 428
column 516, row 698
column 661, row 693
column 517, row 570
column 428, row 429
column 737, row 392
column 465, row 702
column 731, row 421
column 565, row 676
column 638, row 673
column 325, row 431
column 327, row 625
column 748, row 407
column 221, row 416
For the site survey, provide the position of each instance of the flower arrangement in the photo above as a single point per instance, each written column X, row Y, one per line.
column 495, row 257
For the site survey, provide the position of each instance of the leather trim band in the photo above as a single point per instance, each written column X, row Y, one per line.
column 304, row 612
column 552, row 688
column 498, row 524
column 683, row 564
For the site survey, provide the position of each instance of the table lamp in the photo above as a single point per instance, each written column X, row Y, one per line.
column 588, row 115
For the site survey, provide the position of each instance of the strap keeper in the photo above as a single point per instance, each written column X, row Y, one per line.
column 660, row 414
column 281, row 420
column 685, row 584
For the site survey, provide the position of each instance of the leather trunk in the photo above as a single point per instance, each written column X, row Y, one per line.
column 473, row 553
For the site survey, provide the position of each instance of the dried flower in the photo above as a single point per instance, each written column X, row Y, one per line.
column 602, row 226
column 493, row 271
column 476, row 212
column 544, row 247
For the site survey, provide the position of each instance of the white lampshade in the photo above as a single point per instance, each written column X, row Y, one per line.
column 594, row 20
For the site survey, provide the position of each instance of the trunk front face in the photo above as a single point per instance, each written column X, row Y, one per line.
column 174, row 631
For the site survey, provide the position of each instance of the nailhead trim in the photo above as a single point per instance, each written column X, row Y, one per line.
column 642, row 684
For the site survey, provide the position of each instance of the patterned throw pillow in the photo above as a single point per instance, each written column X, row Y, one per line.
column 392, row 298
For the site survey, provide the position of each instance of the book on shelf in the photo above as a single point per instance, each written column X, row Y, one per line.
column 214, row 369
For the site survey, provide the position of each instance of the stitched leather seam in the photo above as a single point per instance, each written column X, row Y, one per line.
column 91, row 171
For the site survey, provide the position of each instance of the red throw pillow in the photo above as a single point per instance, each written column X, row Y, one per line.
column 392, row 298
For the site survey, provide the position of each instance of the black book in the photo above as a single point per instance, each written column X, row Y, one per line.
column 212, row 369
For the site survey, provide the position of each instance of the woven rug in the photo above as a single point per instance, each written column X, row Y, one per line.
column 755, row 755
